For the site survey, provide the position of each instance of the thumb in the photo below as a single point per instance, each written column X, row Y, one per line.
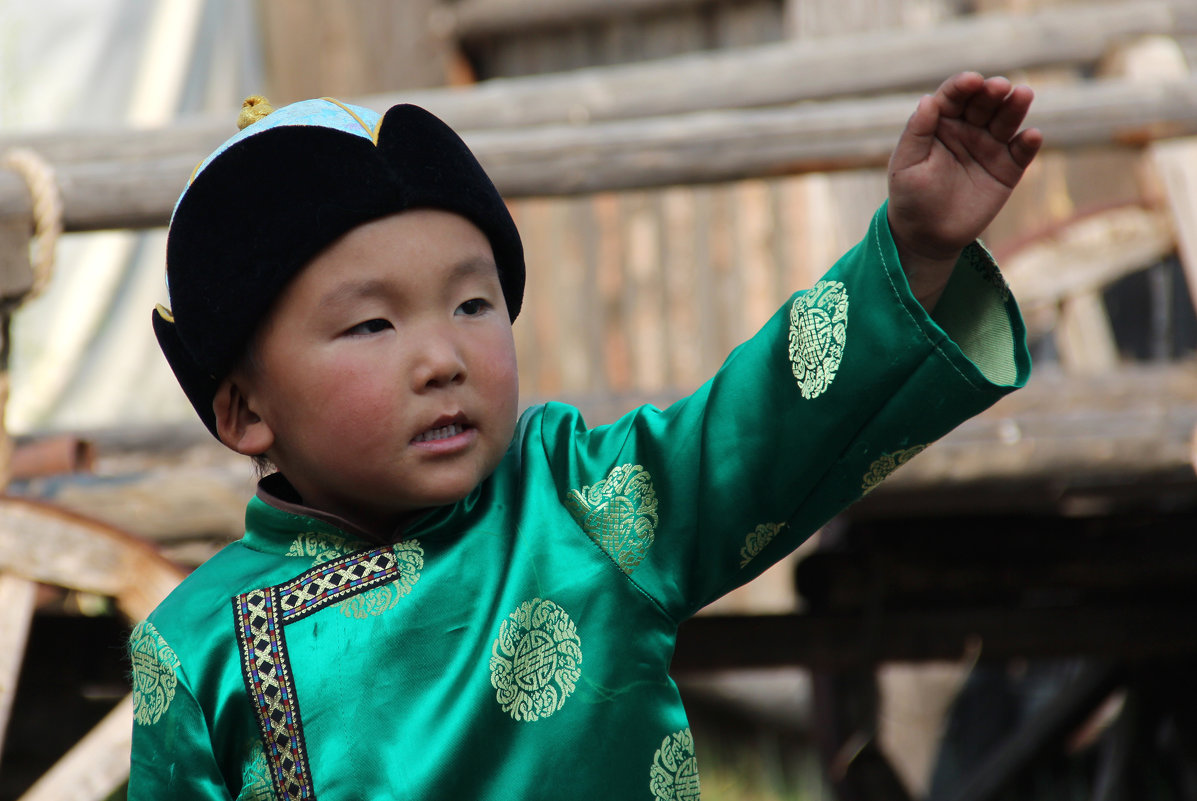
column 914, row 145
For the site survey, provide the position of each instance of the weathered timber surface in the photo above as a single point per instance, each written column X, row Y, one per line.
column 682, row 149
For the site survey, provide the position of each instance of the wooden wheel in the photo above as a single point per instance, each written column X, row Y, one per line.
column 44, row 544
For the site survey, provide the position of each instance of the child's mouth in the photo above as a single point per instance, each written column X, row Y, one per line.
column 444, row 432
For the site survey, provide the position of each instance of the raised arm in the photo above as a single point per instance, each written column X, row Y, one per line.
column 954, row 167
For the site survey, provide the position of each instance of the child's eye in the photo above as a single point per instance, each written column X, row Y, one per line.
column 474, row 306
column 369, row 327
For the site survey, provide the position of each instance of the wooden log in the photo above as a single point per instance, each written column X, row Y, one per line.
column 96, row 766
column 51, row 545
column 695, row 148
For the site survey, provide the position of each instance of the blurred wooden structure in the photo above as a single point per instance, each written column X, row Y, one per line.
column 668, row 206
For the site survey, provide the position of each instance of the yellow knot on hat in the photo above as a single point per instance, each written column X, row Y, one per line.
column 253, row 108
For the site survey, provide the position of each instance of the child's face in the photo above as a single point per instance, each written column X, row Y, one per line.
column 386, row 373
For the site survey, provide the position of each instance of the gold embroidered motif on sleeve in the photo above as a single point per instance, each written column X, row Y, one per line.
column 619, row 513
column 535, row 661
column 325, row 548
column 757, row 539
column 255, row 776
column 886, row 464
column 818, row 332
column 674, row 772
column 154, row 677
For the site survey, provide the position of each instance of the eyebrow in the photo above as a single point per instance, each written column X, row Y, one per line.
column 373, row 287
column 353, row 290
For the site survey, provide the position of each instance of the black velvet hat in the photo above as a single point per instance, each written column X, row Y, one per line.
column 273, row 196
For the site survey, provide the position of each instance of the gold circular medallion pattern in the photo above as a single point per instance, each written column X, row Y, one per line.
column 535, row 661
column 619, row 513
column 154, row 676
column 674, row 772
column 818, row 332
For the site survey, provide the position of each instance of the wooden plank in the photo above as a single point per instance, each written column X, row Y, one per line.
column 96, row 766
column 313, row 48
column 17, row 597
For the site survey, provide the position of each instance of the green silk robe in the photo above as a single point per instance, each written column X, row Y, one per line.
column 516, row 645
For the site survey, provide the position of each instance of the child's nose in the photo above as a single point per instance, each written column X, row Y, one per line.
column 440, row 363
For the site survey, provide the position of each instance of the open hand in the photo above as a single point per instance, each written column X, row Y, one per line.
column 954, row 167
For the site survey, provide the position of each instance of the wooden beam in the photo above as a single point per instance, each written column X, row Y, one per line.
column 695, row 148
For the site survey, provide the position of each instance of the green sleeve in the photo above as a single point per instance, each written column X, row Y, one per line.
column 845, row 382
column 172, row 752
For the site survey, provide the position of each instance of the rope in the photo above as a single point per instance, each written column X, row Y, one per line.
column 47, row 210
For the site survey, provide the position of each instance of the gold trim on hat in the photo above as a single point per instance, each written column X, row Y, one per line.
column 371, row 133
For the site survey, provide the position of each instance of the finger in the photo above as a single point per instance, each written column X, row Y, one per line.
column 953, row 95
column 1024, row 147
column 984, row 103
column 1010, row 114
column 916, row 141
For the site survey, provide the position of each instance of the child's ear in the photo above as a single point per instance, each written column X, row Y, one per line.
column 239, row 426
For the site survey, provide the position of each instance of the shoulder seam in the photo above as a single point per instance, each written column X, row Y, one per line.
column 615, row 565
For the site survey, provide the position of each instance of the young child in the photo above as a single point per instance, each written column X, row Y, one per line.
column 434, row 599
